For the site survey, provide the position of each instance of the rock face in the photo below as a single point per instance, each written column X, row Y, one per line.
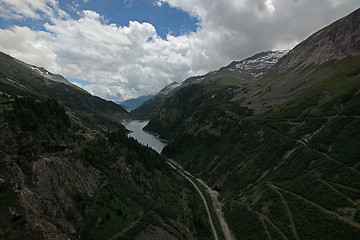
column 40, row 182
column 44, row 188
column 63, row 178
column 338, row 40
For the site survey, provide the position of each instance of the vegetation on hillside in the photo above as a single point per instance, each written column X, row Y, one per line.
column 141, row 192
column 113, row 187
column 148, row 108
column 46, row 117
column 17, row 79
column 283, row 151
column 292, row 171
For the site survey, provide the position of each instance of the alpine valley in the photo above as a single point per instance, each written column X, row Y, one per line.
column 276, row 137
column 281, row 142
column 68, row 170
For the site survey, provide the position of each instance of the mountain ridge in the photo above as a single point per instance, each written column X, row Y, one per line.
column 334, row 42
column 282, row 150
column 295, row 72
column 19, row 78
column 236, row 73
column 280, row 145
column 69, row 171
column 134, row 103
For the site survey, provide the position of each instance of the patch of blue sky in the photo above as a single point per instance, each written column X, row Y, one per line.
column 165, row 18
column 34, row 24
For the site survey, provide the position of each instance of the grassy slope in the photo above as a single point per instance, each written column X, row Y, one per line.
column 293, row 171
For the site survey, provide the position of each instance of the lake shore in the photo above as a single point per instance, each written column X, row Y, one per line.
column 157, row 136
column 147, row 138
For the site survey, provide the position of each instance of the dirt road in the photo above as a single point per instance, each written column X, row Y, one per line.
column 214, row 197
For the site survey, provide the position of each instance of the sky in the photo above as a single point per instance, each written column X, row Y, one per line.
column 121, row 49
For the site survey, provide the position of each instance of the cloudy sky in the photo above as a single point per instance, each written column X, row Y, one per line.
column 119, row 49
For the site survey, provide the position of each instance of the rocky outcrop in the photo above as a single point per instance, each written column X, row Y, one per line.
column 45, row 189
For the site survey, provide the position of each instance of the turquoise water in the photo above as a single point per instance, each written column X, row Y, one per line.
column 143, row 137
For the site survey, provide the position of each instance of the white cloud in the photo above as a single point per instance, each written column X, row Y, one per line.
column 236, row 29
column 110, row 92
column 35, row 9
column 128, row 61
column 30, row 46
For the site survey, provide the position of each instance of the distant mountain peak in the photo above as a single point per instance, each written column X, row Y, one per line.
column 259, row 64
column 133, row 103
column 237, row 72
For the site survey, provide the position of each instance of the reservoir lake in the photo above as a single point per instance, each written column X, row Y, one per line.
column 147, row 139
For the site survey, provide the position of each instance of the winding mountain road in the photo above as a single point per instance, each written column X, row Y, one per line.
column 218, row 209
column 214, row 197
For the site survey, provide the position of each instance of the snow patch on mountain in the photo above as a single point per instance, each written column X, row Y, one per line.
column 168, row 89
column 260, row 63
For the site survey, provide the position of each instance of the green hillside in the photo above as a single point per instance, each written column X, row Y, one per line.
column 64, row 176
column 148, row 108
column 151, row 106
column 280, row 144
column 298, row 162
column 19, row 80
column 282, row 151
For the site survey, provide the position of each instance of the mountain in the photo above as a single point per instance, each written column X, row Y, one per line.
column 134, row 103
column 148, row 108
column 246, row 70
column 168, row 89
column 255, row 66
column 45, row 73
column 335, row 42
column 237, row 72
column 283, row 148
column 18, row 78
column 68, row 170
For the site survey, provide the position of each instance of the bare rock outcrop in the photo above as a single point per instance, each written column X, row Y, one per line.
column 45, row 188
